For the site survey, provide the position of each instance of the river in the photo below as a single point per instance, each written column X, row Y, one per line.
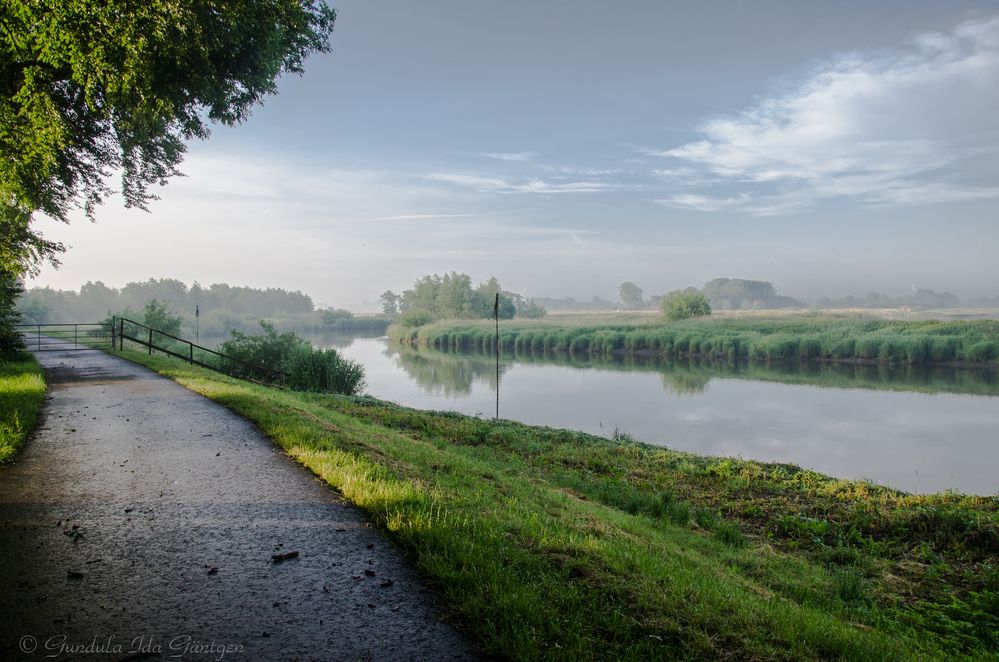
column 917, row 430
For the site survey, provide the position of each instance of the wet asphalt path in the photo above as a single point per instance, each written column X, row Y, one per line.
column 139, row 522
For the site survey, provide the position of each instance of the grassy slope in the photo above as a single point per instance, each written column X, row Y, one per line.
column 22, row 392
column 776, row 338
column 550, row 543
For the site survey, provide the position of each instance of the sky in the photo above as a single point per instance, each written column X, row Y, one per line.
column 567, row 146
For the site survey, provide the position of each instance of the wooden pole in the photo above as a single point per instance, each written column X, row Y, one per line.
column 496, row 315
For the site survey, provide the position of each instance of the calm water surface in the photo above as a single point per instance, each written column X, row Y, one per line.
column 848, row 426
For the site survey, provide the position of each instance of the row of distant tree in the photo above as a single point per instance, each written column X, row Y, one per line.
column 452, row 296
column 918, row 299
column 744, row 294
column 221, row 308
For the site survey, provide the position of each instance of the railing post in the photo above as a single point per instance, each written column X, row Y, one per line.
column 190, row 346
column 121, row 334
column 76, row 343
column 150, row 342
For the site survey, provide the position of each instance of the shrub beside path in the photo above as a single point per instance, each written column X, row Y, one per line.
column 144, row 521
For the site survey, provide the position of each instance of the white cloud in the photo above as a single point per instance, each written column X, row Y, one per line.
column 774, row 205
column 493, row 184
column 912, row 126
column 423, row 217
column 517, row 157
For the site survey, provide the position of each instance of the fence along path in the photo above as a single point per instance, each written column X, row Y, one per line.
column 66, row 336
column 123, row 329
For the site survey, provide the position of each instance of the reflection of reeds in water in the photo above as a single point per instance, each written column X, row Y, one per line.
column 453, row 372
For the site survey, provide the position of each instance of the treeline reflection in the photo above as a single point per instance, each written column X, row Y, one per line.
column 452, row 373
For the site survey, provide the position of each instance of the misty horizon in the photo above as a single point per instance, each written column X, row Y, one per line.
column 650, row 295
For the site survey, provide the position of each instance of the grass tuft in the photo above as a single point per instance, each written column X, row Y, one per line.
column 22, row 392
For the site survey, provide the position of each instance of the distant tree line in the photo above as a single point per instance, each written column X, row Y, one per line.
column 222, row 308
column 745, row 294
column 920, row 299
column 452, row 296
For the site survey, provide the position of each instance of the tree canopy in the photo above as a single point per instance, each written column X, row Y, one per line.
column 90, row 88
column 452, row 296
column 93, row 88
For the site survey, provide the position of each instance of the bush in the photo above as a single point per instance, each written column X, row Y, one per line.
column 323, row 371
column 681, row 305
column 269, row 350
column 307, row 368
column 414, row 318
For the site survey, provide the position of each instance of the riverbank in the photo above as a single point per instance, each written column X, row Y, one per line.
column 560, row 544
column 22, row 392
column 761, row 339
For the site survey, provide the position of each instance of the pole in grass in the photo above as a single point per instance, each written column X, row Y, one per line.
column 496, row 315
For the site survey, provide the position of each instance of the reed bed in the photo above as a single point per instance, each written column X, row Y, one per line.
column 764, row 339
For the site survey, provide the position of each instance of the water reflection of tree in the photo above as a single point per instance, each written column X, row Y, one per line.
column 677, row 381
column 442, row 373
column 450, row 373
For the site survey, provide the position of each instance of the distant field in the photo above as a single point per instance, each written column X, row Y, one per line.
column 753, row 336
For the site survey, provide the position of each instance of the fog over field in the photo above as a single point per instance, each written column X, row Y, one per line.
column 830, row 149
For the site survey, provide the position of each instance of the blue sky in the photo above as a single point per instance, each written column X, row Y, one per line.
column 564, row 147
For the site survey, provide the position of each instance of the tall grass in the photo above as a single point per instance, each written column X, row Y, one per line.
column 22, row 392
column 776, row 339
column 323, row 371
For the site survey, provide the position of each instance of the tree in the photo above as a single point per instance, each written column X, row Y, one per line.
column 451, row 297
column 21, row 251
column 735, row 292
column 158, row 316
column 484, row 298
column 631, row 295
column 89, row 87
column 685, row 304
column 10, row 339
column 526, row 308
column 390, row 302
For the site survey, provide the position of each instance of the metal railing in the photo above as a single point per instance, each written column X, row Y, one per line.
column 66, row 336
column 123, row 329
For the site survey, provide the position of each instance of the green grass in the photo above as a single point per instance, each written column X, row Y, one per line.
column 552, row 544
column 783, row 338
column 22, row 392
